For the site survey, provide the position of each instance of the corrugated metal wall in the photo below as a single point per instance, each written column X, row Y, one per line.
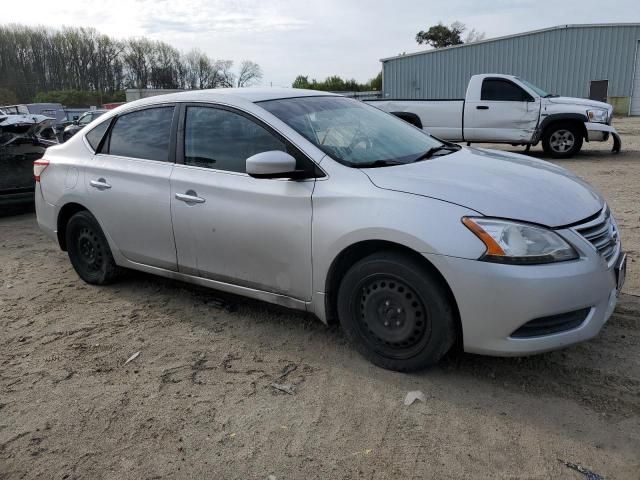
column 562, row 61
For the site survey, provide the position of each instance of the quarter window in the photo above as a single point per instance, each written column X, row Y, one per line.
column 142, row 134
column 498, row 89
column 96, row 134
column 223, row 140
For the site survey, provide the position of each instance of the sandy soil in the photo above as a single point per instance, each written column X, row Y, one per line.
column 198, row 402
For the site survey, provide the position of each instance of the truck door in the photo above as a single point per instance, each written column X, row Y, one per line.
column 505, row 112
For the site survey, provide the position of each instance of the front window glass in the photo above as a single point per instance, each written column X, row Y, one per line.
column 352, row 132
column 223, row 140
column 536, row 89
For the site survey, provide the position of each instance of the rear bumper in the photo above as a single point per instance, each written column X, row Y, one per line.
column 598, row 132
column 495, row 300
column 47, row 215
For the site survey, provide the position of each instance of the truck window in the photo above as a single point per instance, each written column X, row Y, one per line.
column 502, row 90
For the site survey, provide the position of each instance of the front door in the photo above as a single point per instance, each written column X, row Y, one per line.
column 504, row 113
column 128, row 185
column 231, row 227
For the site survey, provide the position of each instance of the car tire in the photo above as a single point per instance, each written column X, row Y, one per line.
column 66, row 136
column 562, row 140
column 396, row 312
column 89, row 250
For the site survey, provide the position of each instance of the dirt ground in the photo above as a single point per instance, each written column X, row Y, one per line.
column 198, row 403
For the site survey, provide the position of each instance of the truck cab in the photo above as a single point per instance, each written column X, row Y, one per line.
column 500, row 108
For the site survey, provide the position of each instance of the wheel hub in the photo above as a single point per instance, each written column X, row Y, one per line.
column 391, row 313
column 562, row 140
column 89, row 249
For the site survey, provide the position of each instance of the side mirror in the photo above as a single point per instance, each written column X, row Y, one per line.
column 272, row 164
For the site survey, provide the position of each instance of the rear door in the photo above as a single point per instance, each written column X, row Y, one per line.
column 231, row 227
column 504, row 113
column 128, row 184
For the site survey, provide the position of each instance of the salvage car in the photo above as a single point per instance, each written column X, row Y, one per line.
column 23, row 139
column 506, row 109
column 323, row 203
column 85, row 119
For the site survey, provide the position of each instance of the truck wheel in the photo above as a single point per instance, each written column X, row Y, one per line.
column 89, row 251
column 395, row 312
column 562, row 140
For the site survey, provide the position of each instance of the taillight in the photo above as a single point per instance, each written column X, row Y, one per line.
column 38, row 168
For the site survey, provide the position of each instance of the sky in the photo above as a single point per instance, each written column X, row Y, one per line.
column 308, row 37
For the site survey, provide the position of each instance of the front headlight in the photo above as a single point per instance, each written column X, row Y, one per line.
column 598, row 116
column 519, row 243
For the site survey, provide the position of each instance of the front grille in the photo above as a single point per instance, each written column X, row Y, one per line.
column 552, row 324
column 602, row 233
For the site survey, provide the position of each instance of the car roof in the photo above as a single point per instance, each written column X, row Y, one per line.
column 232, row 95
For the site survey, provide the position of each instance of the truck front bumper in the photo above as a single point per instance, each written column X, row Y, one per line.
column 598, row 132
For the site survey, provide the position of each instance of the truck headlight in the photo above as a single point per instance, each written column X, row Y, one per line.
column 519, row 243
column 598, row 116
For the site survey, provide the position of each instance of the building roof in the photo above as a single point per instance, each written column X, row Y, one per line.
column 558, row 27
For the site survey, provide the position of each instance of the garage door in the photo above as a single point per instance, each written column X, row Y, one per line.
column 635, row 98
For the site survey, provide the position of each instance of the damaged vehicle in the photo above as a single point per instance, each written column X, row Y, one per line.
column 506, row 109
column 23, row 139
column 325, row 204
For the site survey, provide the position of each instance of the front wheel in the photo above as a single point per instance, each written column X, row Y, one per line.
column 89, row 251
column 396, row 312
column 562, row 140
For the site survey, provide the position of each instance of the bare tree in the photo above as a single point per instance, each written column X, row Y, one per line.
column 250, row 73
column 474, row 36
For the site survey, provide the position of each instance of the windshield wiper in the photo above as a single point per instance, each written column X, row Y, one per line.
column 551, row 95
column 378, row 163
column 432, row 151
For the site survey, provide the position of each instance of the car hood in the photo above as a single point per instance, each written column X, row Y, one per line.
column 496, row 184
column 580, row 101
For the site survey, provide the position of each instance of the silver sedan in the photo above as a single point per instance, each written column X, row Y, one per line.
column 322, row 203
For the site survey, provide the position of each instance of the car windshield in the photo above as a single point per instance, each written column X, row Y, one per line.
column 351, row 132
column 538, row 90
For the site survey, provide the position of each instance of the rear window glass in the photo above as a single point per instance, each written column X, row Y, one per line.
column 143, row 134
column 96, row 134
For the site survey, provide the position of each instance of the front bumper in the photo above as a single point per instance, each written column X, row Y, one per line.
column 597, row 132
column 494, row 300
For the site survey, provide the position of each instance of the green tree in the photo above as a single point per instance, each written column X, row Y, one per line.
column 440, row 35
column 376, row 82
column 301, row 81
column 7, row 97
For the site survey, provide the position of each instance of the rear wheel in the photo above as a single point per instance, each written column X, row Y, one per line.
column 396, row 312
column 89, row 251
column 562, row 140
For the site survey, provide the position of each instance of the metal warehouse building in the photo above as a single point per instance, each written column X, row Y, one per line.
column 596, row 61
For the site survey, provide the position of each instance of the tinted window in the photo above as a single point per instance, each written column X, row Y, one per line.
column 96, row 134
column 142, row 134
column 223, row 140
column 502, row 90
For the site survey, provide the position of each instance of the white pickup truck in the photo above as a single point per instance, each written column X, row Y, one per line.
column 506, row 109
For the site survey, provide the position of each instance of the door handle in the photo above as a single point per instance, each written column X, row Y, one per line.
column 190, row 197
column 482, row 107
column 100, row 184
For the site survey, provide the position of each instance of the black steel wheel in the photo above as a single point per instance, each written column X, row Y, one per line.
column 89, row 251
column 397, row 313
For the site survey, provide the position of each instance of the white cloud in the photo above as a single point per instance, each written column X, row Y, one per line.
column 312, row 37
